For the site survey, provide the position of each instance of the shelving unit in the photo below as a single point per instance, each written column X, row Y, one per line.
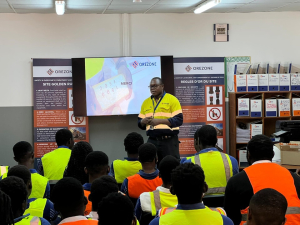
column 268, row 122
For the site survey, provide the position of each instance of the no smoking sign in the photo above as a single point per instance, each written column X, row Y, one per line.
column 214, row 114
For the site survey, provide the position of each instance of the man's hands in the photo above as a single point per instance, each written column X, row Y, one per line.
column 154, row 122
column 146, row 120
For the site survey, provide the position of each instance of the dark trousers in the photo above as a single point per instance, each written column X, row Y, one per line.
column 169, row 146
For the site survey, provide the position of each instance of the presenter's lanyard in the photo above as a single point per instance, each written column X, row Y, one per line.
column 157, row 103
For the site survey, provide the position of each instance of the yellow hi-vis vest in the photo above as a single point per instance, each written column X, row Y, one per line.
column 125, row 168
column 29, row 220
column 161, row 199
column 3, row 170
column 195, row 216
column 217, row 168
column 39, row 184
column 36, row 207
column 55, row 163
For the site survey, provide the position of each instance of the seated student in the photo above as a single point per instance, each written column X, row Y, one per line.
column 218, row 167
column 40, row 207
column 6, row 214
column 75, row 167
column 147, row 179
column 69, row 200
column 53, row 164
column 15, row 188
column 3, row 170
column 100, row 188
column 116, row 208
column 150, row 202
column 189, row 185
column 267, row 206
column 121, row 169
column 261, row 174
column 96, row 165
column 24, row 155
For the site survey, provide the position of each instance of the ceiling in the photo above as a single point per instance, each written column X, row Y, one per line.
column 147, row 6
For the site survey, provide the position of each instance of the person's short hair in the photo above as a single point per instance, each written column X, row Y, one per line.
column 7, row 217
column 188, row 182
column 167, row 164
column 132, row 142
column 207, row 135
column 20, row 171
column 147, row 152
column 16, row 189
column 96, row 162
column 100, row 188
column 268, row 206
column 21, row 149
column 260, row 147
column 115, row 202
column 67, row 194
column 158, row 78
column 63, row 136
column 75, row 166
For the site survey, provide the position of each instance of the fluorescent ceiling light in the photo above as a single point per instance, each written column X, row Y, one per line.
column 137, row 0
column 206, row 5
column 60, row 7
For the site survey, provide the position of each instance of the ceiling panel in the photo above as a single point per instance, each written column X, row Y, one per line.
column 4, row 8
column 87, row 2
column 236, row 1
column 185, row 2
column 26, row 2
column 171, row 9
column 130, row 2
column 32, row 6
column 291, row 7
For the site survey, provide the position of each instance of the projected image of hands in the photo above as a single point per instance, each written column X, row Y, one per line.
column 118, row 86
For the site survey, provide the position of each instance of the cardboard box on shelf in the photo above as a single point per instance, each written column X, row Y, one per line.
column 290, row 153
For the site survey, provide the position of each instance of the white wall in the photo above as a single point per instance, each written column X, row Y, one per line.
column 263, row 36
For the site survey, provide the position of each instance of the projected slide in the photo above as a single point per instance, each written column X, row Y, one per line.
column 118, row 86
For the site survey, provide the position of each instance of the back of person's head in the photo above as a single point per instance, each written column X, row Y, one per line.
column 23, row 152
column 167, row 164
column 206, row 136
column 6, row 215
column 16, row 189
column 96, row 163
column 68, row 197
column 22, row 172
column 260, row 147
column 147, row 153
column 116, row 202
column 188, row 183
column 132, row 142
column 64, row 137
column 75, row 166
column 267, row 206
column 100, row 188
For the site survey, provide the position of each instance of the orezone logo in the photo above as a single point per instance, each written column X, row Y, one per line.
column 188, row 68
column 50, row 71
column 63, row 71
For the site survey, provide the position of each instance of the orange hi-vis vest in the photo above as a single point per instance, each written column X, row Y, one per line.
column 82, row 222
column 280, row 179
column 137, row 185
column 88, row 207
column 166, row 210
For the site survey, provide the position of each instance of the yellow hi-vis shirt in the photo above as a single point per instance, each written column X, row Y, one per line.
column 168, row 107
column 217, row 168
column 125, row 168
column 55, row 163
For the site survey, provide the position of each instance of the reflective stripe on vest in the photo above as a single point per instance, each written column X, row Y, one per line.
column 82, row 222
column 125, row 168
column 162, row 199
column 55, row 163
column 39, row 184
column 29, row 220
column 36, row 207
column 166, row 210
column 217, row 159
column 137, row 185
column 179, row 217
column 3, row 170
column 88, row 207
column 280, row 179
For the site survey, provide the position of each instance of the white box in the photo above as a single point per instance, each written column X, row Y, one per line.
column 263, row 82
column 243, row 106
column 284, row 82
column 271, row 107
column 296, row 106
column 256, row 129
column 273, row 82
column 240, row 83
column 252, row 82
column 255, row 108
column 295, row 82
column 284, row 107
column 243, row 158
